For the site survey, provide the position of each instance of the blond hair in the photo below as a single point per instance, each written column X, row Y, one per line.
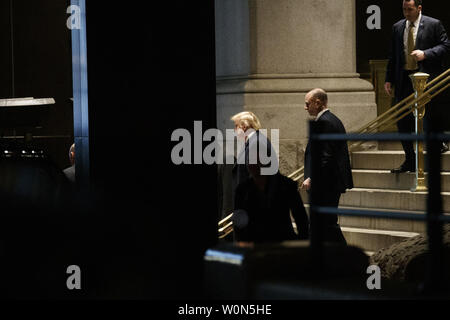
column 247, row 119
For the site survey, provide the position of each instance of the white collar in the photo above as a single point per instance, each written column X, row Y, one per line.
column 321, row 113
column 252, row 133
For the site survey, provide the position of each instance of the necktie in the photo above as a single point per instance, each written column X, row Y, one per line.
column 411, row 63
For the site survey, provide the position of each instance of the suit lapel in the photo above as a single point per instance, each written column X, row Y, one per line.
column 420, row 32
column 401, row 41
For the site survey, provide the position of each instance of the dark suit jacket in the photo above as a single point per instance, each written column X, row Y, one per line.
column 268, row 212
column 431, row 38
column 258, row 140
column 335, row 175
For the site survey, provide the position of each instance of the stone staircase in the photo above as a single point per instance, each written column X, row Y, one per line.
column 376, row 188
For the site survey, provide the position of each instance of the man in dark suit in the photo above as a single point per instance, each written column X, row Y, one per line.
column 419, row 44
column 335, row 174
column 254, row 144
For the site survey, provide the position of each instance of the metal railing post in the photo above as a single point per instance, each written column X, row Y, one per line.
column 419, row 81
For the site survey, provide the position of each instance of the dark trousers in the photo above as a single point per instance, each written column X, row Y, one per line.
column 407, row 124
column 329, row 228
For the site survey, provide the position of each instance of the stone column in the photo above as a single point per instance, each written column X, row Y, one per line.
column 270, row 53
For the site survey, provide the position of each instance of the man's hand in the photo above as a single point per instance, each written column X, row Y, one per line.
column 306, row 185
column 419, row 55
column 388, row 89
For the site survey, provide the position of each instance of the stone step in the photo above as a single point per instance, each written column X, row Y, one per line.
column 377, row 223
column 401, row 200
column 386, row 160
column 374, row 240
column 384, row 179
column 390, row 145
column 387, row 145
column 374, row 233
column 390, row 199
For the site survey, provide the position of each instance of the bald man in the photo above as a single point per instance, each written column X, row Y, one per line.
column 335, row 174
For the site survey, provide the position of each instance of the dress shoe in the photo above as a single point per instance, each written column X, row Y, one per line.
column 444, row 148
column 404, row 168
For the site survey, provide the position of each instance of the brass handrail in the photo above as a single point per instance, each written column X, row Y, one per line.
column 396, row 112
column 225, row 226
column 296, row 172
column 410, row 104
column 226, row 218
column 438, row 78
